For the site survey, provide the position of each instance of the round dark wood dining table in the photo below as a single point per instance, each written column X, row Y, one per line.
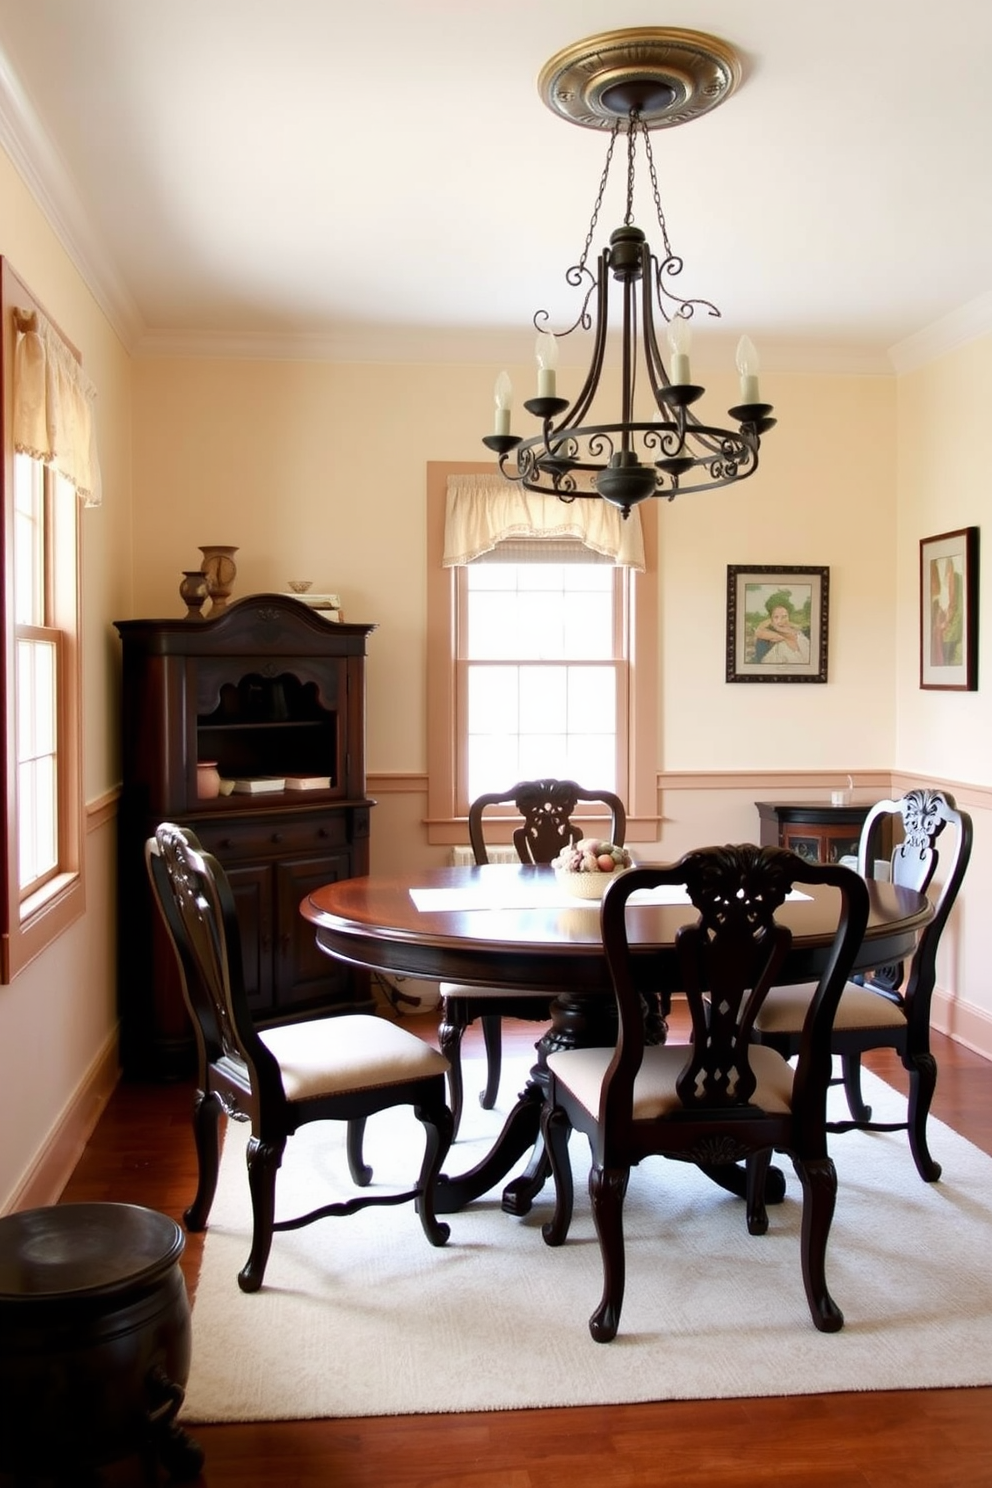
column 509, row 925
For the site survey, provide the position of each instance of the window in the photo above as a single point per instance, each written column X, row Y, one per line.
column 540, row 673
column 36, row 675
column 41, row 866
column 541, row 660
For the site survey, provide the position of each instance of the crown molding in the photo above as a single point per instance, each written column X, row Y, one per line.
column 966, row 323
column 491, row 347
column 37, row 162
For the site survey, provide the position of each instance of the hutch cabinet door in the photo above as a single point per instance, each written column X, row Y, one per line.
column 252, row 889
column 306, row 976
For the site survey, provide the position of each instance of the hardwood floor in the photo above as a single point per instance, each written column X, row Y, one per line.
column 142, row 1152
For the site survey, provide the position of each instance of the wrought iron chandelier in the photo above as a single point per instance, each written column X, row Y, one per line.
column 631, row 82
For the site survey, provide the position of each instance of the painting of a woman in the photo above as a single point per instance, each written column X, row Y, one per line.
column 946, row 612
column 778, row 639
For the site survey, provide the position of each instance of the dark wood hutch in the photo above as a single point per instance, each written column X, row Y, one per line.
column 266, row 688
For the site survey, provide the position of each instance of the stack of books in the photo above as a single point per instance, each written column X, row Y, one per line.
column 328, row 605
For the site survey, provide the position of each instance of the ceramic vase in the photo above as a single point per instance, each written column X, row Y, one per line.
column 207, row 780
column 221, row 571
column 193, row 591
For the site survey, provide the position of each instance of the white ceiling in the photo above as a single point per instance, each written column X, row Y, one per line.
column 382, row 179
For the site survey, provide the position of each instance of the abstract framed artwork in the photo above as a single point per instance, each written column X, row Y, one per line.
column 777, row 623
column 949, row 611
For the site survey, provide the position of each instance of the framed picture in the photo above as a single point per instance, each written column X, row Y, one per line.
column 949, row 611
column 777, row 623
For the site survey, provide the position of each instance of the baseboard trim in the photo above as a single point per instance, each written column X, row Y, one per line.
column 54, row 1163
column 966, row 1024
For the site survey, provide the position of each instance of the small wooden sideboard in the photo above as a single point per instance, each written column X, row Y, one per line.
column 815, row 830
column 268, row 687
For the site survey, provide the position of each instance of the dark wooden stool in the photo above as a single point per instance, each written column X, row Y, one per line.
column 94, row 1342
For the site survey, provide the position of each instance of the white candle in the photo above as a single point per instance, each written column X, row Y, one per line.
column 503, row 393
column 747, row 366
column 546, row 350
column 680, row 339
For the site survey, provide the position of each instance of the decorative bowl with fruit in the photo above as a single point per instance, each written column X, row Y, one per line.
column 589, row 865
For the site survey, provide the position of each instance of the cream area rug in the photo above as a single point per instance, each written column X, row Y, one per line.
column 360, row 1316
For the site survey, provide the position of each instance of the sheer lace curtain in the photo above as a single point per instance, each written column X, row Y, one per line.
column 54, row 406
column 483, row 510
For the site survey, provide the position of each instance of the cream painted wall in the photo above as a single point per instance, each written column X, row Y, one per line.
column 944, row 736
column 58, row 1018
column 796, row 509
column 284, row 460
column 314, row 471
column 943, row 485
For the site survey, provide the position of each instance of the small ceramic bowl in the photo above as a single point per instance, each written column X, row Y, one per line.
column 300, row 586
column 586, row 885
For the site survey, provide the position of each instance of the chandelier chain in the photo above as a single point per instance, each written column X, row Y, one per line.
column 656, row 189
column 628, row 219
column 599, row 196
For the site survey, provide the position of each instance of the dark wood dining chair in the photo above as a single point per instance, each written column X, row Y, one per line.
column 547, row 808
column 341, row 1068
column 887, row 1009
column 721, row 1098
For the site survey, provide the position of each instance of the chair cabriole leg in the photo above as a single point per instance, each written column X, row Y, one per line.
column 757, row 1178
column 819, row 1180
column 851, row 1067
column 439, row 1127
column 922, row 1084
column 207, row 1111
column 557, row 1129
column 493, row 1039
column 264, row 1160
column 449, row 1036
column 607, row 1189
column 361, row 1173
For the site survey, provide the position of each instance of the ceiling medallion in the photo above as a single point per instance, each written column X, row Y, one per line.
column 666, row 75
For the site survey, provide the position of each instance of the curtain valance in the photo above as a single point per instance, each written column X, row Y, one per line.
column 54, row 406
column 483, row 510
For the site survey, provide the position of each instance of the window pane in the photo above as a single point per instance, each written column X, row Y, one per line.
column 29, row 541
column 37, row 838
column 493, row 699
column 492, row 626
column 543, row 695
column 592, row 700
column 494, row 764
column 37, row 801
column 540, row 611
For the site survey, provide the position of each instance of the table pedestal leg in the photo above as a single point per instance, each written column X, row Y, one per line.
column 521, row 1130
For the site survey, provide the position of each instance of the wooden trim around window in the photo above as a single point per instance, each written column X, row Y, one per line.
column 641, row 799
column 25, row 934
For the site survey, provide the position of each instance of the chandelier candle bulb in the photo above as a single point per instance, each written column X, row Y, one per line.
column 748, row 366
column 546, row 349
column 680, row 340
column 504, row 400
